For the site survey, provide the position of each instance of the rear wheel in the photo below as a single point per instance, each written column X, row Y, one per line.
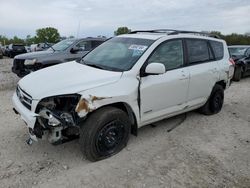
column 215, row 101
column 104, row 133
column 237, row 74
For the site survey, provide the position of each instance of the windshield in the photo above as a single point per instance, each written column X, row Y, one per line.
column 62, row 45
column 117, row 54
column 240, row 51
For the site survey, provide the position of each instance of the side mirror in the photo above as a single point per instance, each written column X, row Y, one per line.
column 74, row 50
column 155, row 68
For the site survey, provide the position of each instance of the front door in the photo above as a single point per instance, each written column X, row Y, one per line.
column 83, row 46
column 165, row 94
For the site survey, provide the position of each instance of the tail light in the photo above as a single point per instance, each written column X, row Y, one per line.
column 231, row 68
column 231, row 61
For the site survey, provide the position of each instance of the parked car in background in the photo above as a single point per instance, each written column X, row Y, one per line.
column 1, row 53
column 40, row 47
column 125, row 83
column 15, row 49
column 28, row 49
column 64, row 51
column 241, row 56
column 5, row 50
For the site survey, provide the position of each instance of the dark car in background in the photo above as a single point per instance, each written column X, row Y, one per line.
column 63, row 51
column 15, row 49
column 5, row 49
column 241, row 55
column 1, row 53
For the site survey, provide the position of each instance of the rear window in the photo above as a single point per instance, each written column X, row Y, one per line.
column 217, row 49
column 197, row 51
column 18, row 46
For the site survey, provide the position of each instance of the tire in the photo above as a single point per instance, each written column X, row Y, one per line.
column 104, row 133
column 215, row 101
column 237, row 74
column 10, row 55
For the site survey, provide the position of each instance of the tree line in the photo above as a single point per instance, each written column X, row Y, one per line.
column 48, row 34
column 51, row 35
column 234, row 38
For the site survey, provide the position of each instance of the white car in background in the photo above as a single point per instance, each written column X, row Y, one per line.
column 125, row 83
column 39, row 47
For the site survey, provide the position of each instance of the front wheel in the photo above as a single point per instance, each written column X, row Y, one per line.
column 215, row 102
column 104, row 133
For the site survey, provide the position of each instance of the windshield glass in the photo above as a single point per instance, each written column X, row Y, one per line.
column 62, row 45
column 240, row 51
column 117, row 54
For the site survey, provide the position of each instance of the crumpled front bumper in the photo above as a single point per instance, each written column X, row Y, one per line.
column 27, row 116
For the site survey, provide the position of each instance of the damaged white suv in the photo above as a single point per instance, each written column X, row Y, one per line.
column 127, row 82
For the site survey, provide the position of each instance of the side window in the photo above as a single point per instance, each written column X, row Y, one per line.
column 169, row 54
column 248, row 52
column 198, row 51
column 217, row 49
column 84, row 45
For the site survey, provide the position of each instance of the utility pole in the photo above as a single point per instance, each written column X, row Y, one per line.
column 78, row 29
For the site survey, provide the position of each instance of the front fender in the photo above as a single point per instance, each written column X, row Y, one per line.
column 89, row 103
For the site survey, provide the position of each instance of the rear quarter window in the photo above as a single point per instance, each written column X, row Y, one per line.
column 217, row 49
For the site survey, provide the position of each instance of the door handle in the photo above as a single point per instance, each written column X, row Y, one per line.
column 183, row 77
column 214, row 70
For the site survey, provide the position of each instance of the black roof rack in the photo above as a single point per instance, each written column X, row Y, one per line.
column 175, row 32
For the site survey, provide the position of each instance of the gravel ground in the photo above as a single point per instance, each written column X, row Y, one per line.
column 8, row 80
column 202, row 151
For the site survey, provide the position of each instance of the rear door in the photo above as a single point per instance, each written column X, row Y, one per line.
column 203, row 70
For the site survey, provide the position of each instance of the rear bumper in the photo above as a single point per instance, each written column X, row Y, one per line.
column 26, row 115
column 18, row 67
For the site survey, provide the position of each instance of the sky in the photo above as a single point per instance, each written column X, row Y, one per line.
column 84, row 18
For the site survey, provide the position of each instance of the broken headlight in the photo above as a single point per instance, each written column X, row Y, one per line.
column 58, row 110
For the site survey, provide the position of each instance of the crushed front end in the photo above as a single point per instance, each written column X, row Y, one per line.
column 53, row 118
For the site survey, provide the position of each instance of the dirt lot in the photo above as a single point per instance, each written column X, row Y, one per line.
column 203, row 151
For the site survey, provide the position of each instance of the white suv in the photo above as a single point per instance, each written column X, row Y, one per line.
column 127, row 82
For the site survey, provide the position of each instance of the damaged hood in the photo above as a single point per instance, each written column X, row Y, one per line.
column 66, row 78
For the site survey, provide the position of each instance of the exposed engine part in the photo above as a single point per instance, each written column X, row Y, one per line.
column 67, row 118
column 29, row 141
column 55, row 135
column 57, row 119
column 52, row 118
column 71, row 131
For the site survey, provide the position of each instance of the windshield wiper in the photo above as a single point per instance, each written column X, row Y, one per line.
column 50, row 46
column 103, row 67
column 94, row 65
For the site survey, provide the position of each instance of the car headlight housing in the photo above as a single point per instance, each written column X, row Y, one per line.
column 30, row 61
column 58, row 110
